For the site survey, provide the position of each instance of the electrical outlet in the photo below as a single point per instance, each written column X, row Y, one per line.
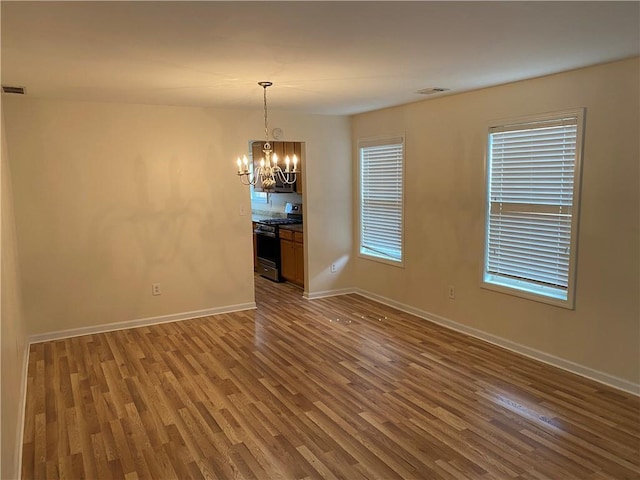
column 155, row 289
column 452, row 292
column 334, row 268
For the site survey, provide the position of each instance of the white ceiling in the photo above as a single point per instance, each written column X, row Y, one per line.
column 323, row 57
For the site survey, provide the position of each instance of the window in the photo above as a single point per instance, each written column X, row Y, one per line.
column 533, row 184
column 256, row 197
column 381, row 199
column 259, row 197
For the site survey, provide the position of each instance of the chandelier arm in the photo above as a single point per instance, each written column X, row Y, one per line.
column 268, row 177
column 245, row 179
column 288, row 178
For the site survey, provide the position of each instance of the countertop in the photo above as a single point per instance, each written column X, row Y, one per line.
column 296, row 227
column 258, row 218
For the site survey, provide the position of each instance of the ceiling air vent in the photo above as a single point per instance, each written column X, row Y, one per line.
column 12, row 89
column 432, row 90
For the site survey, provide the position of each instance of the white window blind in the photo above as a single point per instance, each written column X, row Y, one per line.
column 530, row 220
column 381, row 202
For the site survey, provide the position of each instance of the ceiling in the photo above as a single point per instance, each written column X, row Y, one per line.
column 323, row 57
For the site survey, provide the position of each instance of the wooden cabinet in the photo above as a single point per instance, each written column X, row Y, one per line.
column 287, row 256
column 292, row 256
column 298, row 256
column 291, row 149
column 255, row 248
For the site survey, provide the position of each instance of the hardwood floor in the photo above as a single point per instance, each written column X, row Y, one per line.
column 341, row 387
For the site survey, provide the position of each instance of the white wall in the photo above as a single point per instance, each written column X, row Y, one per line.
column 327, row 183
column 12, row 331
column 110, row 198
column 445, row 141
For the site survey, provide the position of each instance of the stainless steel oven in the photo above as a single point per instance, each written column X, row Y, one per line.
column 268, row 251
column 268, row 241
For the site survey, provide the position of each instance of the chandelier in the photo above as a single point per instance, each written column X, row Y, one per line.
column 268, row 171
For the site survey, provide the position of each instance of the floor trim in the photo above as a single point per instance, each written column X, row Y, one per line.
column 109, row 327
column 328, row 293
column 544, row 357
column 596, row 375
column 23, row 407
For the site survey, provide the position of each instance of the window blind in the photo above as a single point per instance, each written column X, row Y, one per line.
column 381, row 188
column 531, row 185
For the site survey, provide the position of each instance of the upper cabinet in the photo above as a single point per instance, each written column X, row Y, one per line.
column 282, row 149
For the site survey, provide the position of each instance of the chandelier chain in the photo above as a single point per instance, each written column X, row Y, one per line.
column 266, row 128
column 268, row 170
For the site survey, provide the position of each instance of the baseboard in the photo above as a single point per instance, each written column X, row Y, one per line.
column 328, row 293
column 596, row 375
column 23, row 407
column 544, row 357
column 76, row 332
column 109, row 327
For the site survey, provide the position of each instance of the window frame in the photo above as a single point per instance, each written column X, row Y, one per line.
column 522, row 288
column 362, row 143
column 256, row 197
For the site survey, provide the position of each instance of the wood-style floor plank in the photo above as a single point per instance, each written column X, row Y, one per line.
column 336, row 388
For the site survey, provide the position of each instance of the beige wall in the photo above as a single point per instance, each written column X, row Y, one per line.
column 327, row 201
column 445, row 141
column 327, row 197
column 111, row 198
column 12, row 331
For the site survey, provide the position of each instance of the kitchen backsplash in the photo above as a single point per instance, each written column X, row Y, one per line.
column 275, row 207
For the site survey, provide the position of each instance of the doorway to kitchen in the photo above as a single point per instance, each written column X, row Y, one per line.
column 278, row 220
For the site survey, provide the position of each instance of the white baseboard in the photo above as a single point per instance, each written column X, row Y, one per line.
column 567, row 365
column 109, row 327
column 328, row 293
column 23, row 408
column 544, row 357
column 76, row 332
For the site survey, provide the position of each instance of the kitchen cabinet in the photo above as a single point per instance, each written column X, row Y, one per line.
column 287, row 256
column 292, row 256
column 291, row 149
column 255, row 247
column 298, row 256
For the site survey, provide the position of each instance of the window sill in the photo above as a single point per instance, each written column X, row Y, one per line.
column 545, row 295
column 380, row 259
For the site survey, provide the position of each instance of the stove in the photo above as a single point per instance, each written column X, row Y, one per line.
column 280, row 221
column 268, row 241
column 270, row 225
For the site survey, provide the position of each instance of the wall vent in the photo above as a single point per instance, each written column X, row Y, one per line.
column 432, row 90
column 12, row 89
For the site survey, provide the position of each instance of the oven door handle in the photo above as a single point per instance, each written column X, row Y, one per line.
column 266, row 234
